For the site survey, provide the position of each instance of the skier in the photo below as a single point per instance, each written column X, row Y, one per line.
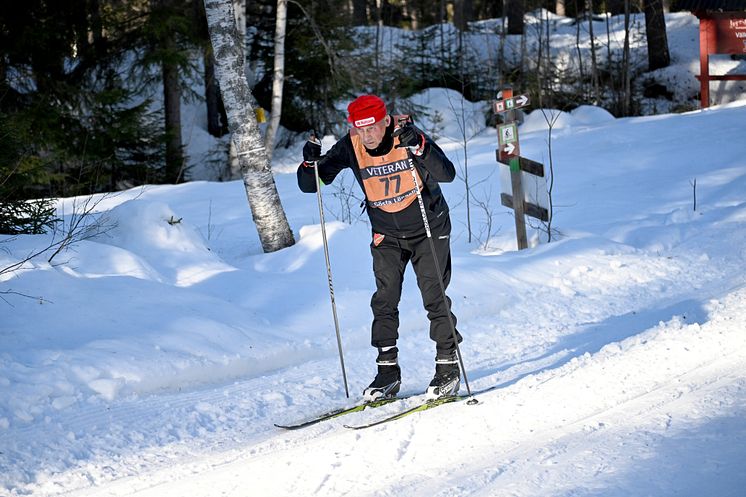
column 380, row 149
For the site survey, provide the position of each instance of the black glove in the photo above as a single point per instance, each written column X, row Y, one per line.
column 311, row 151
column 411, row 138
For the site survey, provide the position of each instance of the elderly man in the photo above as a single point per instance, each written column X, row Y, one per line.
column 381, row 151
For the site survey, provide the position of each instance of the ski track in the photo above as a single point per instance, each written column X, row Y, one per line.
column 214, row 430
column 536, row 431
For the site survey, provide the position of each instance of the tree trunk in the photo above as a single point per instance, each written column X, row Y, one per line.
column 559, row 7
column 97, row 31
column 217, row 122
column 278, row 78
column 171, row 94
column 615, row 7
column 266, row 208
column 514, row 10
column 239, row 11
column 463, row 12
column 412, row 13
column 626, row 70
column 594, row 59
column 172, row 109
column 379, row 48
column 655, row 32
column 359, row 13
column 578, row 47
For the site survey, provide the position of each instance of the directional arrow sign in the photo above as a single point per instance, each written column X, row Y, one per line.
column 521, row 101
column 507, row 138
column 512, row 103
column 509, row 149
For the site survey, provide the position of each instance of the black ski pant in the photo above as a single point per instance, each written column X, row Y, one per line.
column 390, row 259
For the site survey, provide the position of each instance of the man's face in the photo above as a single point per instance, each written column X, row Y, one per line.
column 372, row 135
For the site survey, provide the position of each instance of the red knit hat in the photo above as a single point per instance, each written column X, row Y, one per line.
column 366, row 110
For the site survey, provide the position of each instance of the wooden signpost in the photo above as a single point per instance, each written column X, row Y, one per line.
column 508, row 153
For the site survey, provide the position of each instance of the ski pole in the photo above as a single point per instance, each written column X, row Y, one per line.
column 329, row 275
column 439, row 274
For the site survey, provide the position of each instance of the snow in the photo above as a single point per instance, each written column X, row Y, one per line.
column 153, row 357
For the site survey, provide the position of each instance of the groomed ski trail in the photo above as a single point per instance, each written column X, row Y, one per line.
column 577, row 429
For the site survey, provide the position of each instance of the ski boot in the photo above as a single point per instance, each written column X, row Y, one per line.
column 388, row 380
column 447, row 377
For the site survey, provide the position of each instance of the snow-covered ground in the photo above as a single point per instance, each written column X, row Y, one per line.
column 154, row 358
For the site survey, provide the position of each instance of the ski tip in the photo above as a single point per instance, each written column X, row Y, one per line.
column 352, row 427
column 292, row 427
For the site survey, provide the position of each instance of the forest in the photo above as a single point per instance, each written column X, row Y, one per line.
column 91, row 90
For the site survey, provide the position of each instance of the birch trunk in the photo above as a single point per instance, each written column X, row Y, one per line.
column 278, row 77
column 266, row 208
column 239, row 11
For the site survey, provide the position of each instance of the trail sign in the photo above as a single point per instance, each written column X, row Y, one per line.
column 511, row 103
column 507, row 138
column 508, row 133
column 529, row 201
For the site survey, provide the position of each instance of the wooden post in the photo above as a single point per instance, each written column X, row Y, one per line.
column 705, row 37
column 518, row 207
column 509, row 153
column 515, row 179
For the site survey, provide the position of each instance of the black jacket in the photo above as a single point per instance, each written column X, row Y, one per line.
column 433, row 166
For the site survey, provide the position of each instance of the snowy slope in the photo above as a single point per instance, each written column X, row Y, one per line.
column 155, row 357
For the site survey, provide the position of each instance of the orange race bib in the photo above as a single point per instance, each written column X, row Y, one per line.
column 387, row 180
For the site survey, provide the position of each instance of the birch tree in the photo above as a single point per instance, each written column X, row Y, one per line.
column 278, row 77
column 266, row 208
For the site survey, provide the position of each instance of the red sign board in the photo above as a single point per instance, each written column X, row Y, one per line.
column 719, row 33
column 729, row 35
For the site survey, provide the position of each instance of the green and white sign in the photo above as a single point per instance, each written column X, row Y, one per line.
column 507, row 133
